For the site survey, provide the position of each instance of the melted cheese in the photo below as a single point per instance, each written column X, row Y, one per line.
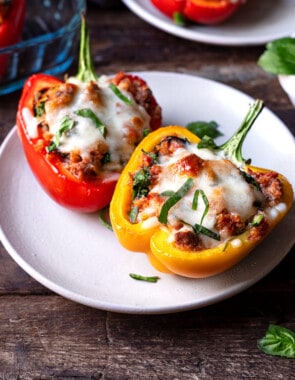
column 116, row 115
column 220, row 180
column 31, row 122
column 222, row 183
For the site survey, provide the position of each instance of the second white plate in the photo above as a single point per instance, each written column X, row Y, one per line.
column 256, row 23
column 75, row 256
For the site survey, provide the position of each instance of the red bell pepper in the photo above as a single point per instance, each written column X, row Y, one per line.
column 200, row 11
column 80, row 194
column 12, row 16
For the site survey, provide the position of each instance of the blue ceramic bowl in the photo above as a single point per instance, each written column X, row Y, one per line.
column 49, row 42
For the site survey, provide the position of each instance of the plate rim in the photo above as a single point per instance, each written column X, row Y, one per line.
column 190, row 34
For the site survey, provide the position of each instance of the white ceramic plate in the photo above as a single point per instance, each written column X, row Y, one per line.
column 256, row 23
column 76, row 257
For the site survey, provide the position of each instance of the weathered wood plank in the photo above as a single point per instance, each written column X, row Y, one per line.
column 49, row 337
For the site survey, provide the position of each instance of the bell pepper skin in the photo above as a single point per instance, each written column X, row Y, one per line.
column 47, row 168
column 154, row 239
column 169, row 7
column 199, row 11
column 82, row 194
column 11, row 28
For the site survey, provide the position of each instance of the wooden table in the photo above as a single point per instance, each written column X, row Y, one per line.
column 44, row 336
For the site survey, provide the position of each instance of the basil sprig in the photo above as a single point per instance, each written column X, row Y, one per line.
column 278, row 341
column 121, row 96
column 66, row 125
column 86, row 112
column 173, row 199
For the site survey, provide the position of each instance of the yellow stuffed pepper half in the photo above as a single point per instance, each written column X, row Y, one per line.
column 196, row 207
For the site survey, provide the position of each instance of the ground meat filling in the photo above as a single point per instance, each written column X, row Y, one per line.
column 88, row 167
column 227, row 223
column 91, row 165
column 258, row 232
column 270, row 185
column 188, row 241
column 142, row 95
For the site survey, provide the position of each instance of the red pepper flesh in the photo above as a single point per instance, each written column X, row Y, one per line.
column 11, row 28
column 201, row 11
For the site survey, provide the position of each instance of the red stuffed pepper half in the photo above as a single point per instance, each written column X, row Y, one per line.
column 78, row 134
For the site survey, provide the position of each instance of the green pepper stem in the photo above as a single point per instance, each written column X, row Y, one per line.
column 86, row 71
column 232, row 148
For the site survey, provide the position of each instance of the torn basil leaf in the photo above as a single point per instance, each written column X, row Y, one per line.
column 119, row 94
column 66, row 124
column 204, row 128
column 199, row 229
column 141, row 182
column 86, row 112
column 278, row 341
column 144, row 278
column 207, row 142
column 133, row 214
column 173, row 199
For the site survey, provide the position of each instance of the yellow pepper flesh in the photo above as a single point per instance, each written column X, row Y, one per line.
column 155, row 238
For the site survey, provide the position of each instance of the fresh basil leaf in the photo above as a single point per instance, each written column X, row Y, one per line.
column 52, row 146
column 179, row 19
column 121, row 96
column 207, row 142
column 144, row 278
column 206, row 203
column 257, row 220
column 199, row 229
column 279, row 57
column 195, row 199
column 173, row 199
column 103, row 217
column 204, row 128
column 154, row 156
column 249, row 179
column 133, row 214
column 141, row 182
column 66, row 124
column 106, row 158
column 86, row 112
column 39, row 109
column 205, row 200
column 278, row 341
column 167, row 193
